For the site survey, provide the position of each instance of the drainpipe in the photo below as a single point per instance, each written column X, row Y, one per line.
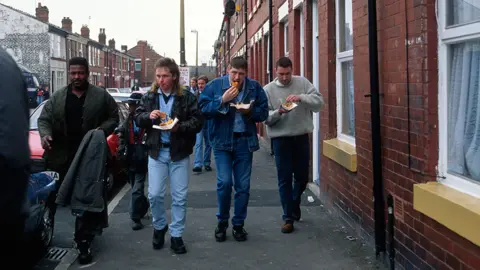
column 270, row 39
column 378, row 189
column 245, row 16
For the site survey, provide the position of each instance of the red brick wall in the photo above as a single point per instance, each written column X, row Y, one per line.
column 420, row 241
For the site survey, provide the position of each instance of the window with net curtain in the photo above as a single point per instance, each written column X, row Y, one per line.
column 464, row 95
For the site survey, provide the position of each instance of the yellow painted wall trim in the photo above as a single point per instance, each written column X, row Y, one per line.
column 455, row 210
column 341, row 152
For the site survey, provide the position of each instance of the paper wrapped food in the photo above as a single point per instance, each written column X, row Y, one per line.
column 242, row 106
column 167, row 125
column 289, row 105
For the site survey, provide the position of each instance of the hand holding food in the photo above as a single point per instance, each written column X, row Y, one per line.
column 292, row 98
column 155, row 114
column 230, row 94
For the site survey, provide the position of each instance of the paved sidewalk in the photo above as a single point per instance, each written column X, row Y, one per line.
column 319, row 242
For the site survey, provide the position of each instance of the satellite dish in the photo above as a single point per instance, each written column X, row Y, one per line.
column 230, row 8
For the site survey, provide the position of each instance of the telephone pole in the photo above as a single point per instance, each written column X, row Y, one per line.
column 182, row 33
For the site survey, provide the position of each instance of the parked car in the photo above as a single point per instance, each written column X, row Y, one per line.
column 113, row 90
column 116, row 170
column 32, row 85
column 124, row 96
column 125, row 90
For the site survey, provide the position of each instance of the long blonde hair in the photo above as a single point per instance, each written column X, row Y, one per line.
column 172, row 67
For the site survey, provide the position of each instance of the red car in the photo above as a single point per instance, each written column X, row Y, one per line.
column 116, row 169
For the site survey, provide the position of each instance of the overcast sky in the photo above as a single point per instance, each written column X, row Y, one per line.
column 157, row 21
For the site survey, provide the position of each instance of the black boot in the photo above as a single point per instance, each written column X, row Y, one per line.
column 221, row 231
column 85, row 256
column 137, row 225
column 239, row 233
column 177, row 245
column 159, row 237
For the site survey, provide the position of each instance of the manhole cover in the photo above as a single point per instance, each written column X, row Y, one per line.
column 56, row 254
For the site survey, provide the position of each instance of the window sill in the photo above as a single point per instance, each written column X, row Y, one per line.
column 341, row 152
column 458, row 211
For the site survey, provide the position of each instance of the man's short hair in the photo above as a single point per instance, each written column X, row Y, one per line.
column 203, row 78
column 79, row 61
column 284, row 62
column 194, row 79
column 239, row 62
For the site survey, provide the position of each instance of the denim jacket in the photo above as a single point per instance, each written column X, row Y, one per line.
column 223, row 116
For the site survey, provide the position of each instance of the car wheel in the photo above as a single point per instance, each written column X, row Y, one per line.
column 110, row 182
column 48, row 221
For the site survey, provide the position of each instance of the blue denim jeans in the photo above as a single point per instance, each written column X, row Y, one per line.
column 159, row 170
column 234, row 169
column 292, row 157
column 202, row 156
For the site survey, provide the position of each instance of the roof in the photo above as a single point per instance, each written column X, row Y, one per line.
column 58, row 30
column 51, row 27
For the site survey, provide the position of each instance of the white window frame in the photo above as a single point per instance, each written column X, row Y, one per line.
column 446, row 37
column 341, row 57
column 285, row 38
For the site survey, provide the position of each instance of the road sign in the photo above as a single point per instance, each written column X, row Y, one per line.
column 185, row 76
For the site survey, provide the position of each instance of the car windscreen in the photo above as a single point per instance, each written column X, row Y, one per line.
column 124, row 90
column 34, row 117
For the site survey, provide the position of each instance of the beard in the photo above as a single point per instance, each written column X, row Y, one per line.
column 80, row 85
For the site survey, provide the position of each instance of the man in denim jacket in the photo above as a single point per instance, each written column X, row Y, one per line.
column 233, row 136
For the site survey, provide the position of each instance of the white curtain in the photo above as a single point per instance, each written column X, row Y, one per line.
column 463, row 98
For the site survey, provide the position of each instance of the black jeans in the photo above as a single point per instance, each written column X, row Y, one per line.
column 292, row 157
column 137, row 181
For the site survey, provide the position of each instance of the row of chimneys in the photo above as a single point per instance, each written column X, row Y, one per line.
column 42, row 15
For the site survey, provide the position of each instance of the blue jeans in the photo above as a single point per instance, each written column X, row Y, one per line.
column 178, row 171
column 236, row 163
column 292, row 157
column 202, row 158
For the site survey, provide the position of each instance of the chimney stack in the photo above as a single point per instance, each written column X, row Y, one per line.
column 102, row 38
column 41, row 12
column 67, row 24
column 111, row 43
column 85, row 31
column 124, row 48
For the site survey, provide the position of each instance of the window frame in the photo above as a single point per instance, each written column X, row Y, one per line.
column 285, row 38
column 341, row 57
column 447, row 36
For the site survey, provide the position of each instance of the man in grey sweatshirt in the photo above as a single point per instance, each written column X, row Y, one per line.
column 289, row 130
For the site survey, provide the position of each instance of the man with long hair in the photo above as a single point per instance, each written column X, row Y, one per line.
column 169, row 150
column 233, row 136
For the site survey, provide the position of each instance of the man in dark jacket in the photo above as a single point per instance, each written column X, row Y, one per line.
column 66, row 117
column 14, row 159
column 133, row 152
column 169, row 150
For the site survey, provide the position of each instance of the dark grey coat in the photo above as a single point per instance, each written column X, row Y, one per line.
column 84, row 185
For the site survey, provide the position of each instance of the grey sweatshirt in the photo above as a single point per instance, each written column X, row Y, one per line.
column 299, row 121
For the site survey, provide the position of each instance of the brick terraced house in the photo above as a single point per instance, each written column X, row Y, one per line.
column 429, row 84
column 43, row 48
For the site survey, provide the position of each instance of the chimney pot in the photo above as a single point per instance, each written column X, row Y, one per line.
column 102, row 38
column 85, row 31
column 41, row 12
column 67, row 24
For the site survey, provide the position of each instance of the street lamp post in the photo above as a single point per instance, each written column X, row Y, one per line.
column 146, row 65
column 182, row 33
column 196, row 49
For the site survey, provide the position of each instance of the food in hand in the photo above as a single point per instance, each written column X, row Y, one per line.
column 166, row 123
column 235, row 84
column 288, row 105
column 163, row 115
